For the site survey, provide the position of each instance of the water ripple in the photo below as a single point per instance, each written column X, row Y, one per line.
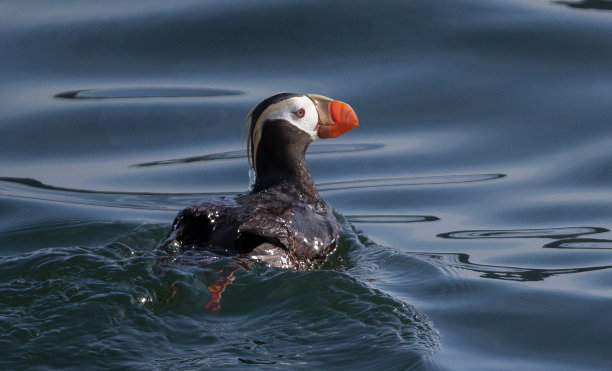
column 388, row 219
column 33, row 189
column 462, row 261
column 407, row 181
column 278, row 297
column 587, row 4
column 230, row 155
column 146, row 92
column 581, row 243
column 566, row 232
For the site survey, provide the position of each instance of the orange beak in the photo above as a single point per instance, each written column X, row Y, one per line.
column 335, row 117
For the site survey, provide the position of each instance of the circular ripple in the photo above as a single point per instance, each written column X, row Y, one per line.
column 524, row 233
column 407, row 181
column 147, row 92
column 229, row 155
column 389, row 219
column 36, row 190
column 500, row 272
column 581, row 243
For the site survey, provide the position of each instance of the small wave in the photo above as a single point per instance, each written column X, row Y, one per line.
column 581, row 244
column 462, row 261
column 566, row 232
column 185, row 160
column 146, row 92
column 390, row 219
column 587, row 4
column 407, row 181
column 236, row 154
column 53, row 225
column 33, row 189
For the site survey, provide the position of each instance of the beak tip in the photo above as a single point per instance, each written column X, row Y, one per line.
column 340, row 119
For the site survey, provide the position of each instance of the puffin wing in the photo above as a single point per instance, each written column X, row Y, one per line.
column 211, row 224
column 288, row 237
column 265, row 224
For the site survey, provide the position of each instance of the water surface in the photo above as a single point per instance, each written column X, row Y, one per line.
column 475, row 196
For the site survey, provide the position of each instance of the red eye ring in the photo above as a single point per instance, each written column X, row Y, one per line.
column 300, row 113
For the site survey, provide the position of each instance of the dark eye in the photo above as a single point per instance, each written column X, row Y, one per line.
column 300, row 113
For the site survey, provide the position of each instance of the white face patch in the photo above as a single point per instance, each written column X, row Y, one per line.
column 299, row 111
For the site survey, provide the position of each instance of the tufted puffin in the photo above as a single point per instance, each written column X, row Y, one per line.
column 282, row 221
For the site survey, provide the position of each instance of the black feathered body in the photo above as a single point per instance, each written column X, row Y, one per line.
column 272, row 226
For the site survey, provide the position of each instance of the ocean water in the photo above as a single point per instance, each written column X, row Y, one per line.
column 475, row 196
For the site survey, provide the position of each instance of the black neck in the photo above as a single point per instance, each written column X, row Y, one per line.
column 281, row 161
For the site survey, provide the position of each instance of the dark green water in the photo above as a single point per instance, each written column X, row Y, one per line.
column 476, row 195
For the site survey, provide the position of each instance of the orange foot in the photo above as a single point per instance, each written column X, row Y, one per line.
column 217, row 288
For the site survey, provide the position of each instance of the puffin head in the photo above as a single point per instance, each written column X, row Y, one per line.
column 284, row 124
